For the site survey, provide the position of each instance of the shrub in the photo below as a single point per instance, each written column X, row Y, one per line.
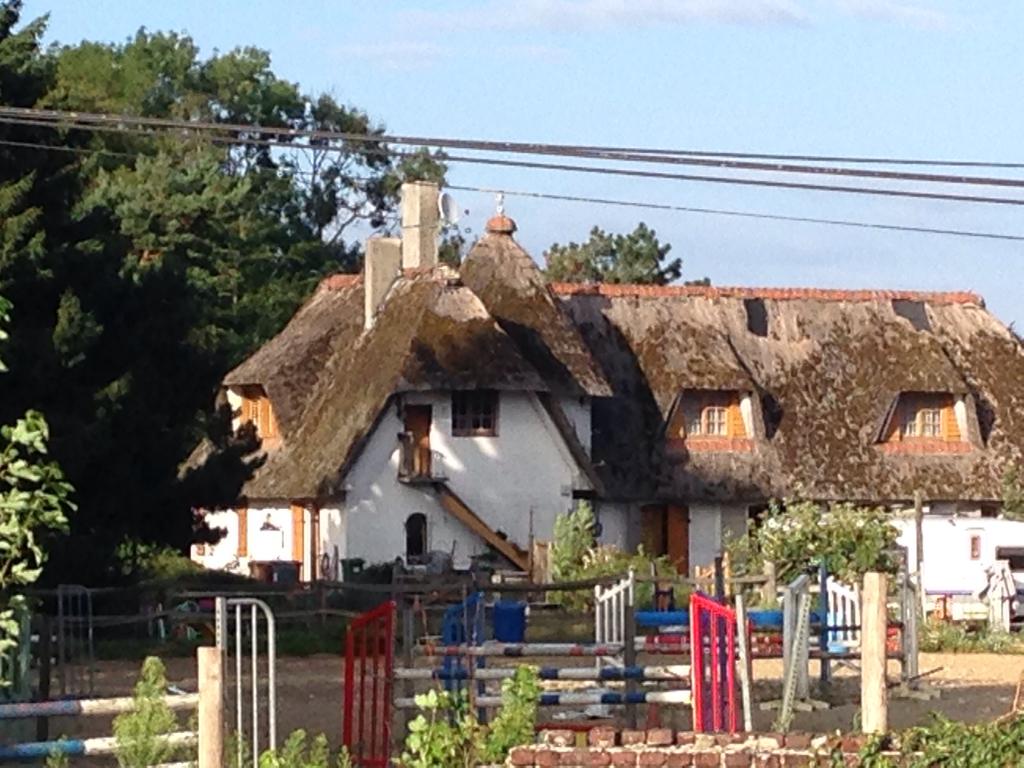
column 141, row 734
column 945, row 637
column 297, row 753
column 576, row 555
column 446, row 732
column 799, row 536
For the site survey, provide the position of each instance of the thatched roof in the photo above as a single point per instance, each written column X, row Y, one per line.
column 824, row 367
column 513, row 289
column 288, row 365
column 432, row 334
column 825, row 373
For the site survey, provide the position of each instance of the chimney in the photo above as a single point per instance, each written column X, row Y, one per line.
column 420, row 224
column 383, row 263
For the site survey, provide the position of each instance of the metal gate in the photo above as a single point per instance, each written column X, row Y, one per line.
column 76, row 655
column 237, row 617
column 369, row 669
column 713, row 648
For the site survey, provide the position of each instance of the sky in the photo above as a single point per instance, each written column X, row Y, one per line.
column 922, row 79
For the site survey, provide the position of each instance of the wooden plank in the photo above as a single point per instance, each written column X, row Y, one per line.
column 243, row 532
column 458, row 509
column 298, row 535
column 211, row 707
column 873, row 689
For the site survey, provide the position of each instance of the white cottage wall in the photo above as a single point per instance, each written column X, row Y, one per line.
column 222, row 553
column 711, row 525
column 518, row 482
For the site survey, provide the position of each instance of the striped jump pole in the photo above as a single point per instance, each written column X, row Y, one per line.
column 80, row 747
column 564, row 699
column 667, row 644
column 114, row 706
column 676, row 672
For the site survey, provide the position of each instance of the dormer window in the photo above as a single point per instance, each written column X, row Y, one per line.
column 925, row 422
column 709, row 419
column 256, row 410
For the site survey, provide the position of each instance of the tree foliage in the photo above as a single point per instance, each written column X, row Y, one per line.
column 144, row 265
column 801, row 535
column 33, row 504
column 141, row 734
column 637, row 257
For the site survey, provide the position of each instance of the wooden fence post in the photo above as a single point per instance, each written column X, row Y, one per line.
column 211, row 707
column 874, row 716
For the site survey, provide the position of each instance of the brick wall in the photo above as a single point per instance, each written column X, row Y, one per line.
column 663, row 747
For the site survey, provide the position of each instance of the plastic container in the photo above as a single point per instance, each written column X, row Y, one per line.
column 509, row 621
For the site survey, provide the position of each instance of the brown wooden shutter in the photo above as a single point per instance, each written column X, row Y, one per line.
column 679, row 538
column 298, row 533
column 243, row 532
column 736, row 427
column 950, row 429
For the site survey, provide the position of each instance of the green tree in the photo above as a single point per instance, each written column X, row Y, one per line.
column 143, row 266
column 33, row 503
column 637, row 257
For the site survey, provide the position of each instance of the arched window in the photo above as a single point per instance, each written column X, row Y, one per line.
column 416, row 535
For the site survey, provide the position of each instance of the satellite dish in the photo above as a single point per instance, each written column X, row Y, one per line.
column 447, row 208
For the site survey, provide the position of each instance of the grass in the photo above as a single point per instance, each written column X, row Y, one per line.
column 942, row 637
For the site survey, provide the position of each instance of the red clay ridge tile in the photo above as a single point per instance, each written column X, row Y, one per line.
column 777, row 294
column 338, row 282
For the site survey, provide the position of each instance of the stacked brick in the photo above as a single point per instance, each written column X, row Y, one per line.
column 663, row 747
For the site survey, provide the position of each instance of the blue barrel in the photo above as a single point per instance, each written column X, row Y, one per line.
column 509, row 621
column 765, row 619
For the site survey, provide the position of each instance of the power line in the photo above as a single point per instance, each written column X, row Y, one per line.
column 740, row 214
column 621, row 203
column 63, row 148
column 734, row 161
column 604, row 170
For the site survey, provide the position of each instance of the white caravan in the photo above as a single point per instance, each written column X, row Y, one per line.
column 972, row 567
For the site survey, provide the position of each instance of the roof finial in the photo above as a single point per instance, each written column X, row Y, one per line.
column 499, row 223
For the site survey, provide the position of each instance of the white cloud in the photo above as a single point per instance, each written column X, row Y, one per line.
column 398, row 54
column 567, row 15
column 899, row 12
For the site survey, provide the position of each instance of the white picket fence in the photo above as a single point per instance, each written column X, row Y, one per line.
column 610, row 616
column 843, row 611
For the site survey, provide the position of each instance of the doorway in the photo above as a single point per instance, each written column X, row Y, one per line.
column 415, row 536
column 665, row 530
column 417, row 425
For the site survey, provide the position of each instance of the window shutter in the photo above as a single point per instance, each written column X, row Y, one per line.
column 950, row 429
column 298, row 533
column 735, row 427
column 243, row 532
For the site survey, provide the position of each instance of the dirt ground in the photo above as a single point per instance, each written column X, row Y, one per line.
column 971, row 687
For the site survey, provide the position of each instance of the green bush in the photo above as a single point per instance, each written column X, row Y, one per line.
column 140, row 735
column 446, row 732
column 945, row 637
column 945, row 743
column 576, row 555
column 297, row 753
column 799, row 535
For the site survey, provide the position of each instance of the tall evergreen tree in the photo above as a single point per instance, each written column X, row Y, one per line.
column 142, row 267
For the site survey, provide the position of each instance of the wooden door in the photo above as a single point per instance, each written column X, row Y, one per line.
column 677, row 525
column 417, row 423
column 652, row 528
